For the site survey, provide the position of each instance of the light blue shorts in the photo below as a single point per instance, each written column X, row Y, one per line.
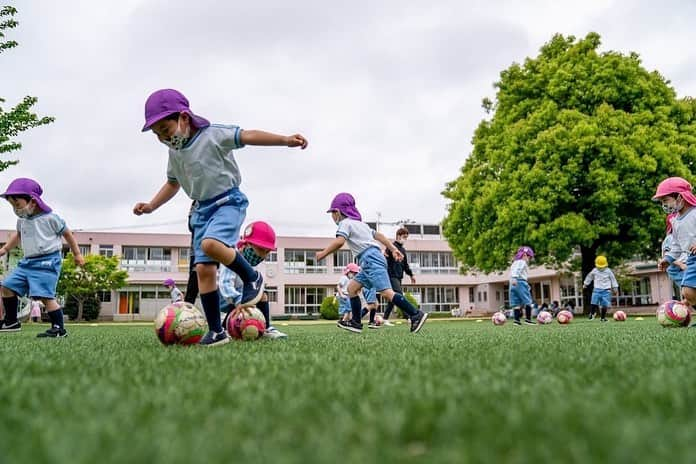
column 601, row 297
column 343, row 305
column 36, row 277
column 675, row 274
column 219, row 218
column 520, row 295
column 689, row 279
column 369, row 294
column 373, row 273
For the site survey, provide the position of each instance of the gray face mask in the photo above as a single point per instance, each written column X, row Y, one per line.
column 250, row 255
column 678, row 205
column 25, row 212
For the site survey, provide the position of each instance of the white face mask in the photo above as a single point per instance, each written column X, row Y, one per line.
column 179, row 139
column 25, row 212
column 675, row 208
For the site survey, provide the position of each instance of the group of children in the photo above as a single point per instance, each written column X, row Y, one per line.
column 201, row 162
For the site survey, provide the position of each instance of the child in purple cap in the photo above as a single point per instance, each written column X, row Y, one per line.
column 362, row 241
column 520, row 293
column 36, row 275
column 201, row 162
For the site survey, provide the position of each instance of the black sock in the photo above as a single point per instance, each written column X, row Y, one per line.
column 401, row 302
column 10, row 305
column 192, row 287
column 593, row 310
column 528, row 312
column 242, row 268
column 363, row 312
column 388, row 311
column 265, row 308
column 56, row 318
column 518, row 314
column 211, row 307
column 604, row 312
column 355, row 309
column 373, row 311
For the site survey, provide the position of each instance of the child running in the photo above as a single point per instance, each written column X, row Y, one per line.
column 520, row 293
column 363, row 242
column 201, row 162
column 603, row 285
column 369, row 294
column 40, row 232
column 176, row 294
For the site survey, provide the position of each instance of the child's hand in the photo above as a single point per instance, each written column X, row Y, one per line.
column 79, row 260
column 142, row 208
column 318, row 256
column 680, row 265
column 296, row 140
column 397, row 254
column 662, row 265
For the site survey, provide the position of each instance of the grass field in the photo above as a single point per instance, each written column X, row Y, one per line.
column 457, row 392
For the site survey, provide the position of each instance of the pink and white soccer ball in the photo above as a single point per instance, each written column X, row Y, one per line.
column 564, row 317
column 498, row 318
column 673, row 313
column 544, row 317
column 619, row 316
column 379, row 320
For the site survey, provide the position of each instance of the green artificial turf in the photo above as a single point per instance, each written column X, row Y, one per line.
column 456, row 392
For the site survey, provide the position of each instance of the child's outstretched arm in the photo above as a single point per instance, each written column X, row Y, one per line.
column 381, row 238
column 333, row 246
column 74, row 247
column 257, row 137
column 11, row 243
column 166, row 193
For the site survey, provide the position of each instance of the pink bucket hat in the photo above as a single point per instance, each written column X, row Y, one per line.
column 165, row 102
column 675, row 185
column 351, row 267
column 259, row 233
column 345, row 204
column 24, row 186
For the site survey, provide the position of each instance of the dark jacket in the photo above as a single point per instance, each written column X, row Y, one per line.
column 397, row 268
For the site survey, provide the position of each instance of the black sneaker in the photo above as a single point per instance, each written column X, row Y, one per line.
column 604, row 319
column 214, row 339
column 355, row 327
column 15, row 326
column 529, row 322
column 253, row 291
column 590, row 317
column 517, row 322
column 417, row 321
column 53, row 332
column 373, row 325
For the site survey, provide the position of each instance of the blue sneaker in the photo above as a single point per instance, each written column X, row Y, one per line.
column 253, row 291
column 214, row 339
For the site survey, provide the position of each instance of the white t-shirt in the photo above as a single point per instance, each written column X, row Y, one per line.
column 205, row 167
column 41, row 234
column 603, row 279
column 683, row 235
column 359, row 235
column 343, row 285
column 519, row 269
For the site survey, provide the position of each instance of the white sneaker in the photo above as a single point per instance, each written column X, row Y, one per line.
column 23, row 313
column 273, row 334
column 387, row 323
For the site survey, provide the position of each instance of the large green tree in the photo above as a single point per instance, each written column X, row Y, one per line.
column 81, row 284
column 19, row 118
column 568, row 159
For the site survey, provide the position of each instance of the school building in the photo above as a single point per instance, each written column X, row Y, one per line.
column 297, row 283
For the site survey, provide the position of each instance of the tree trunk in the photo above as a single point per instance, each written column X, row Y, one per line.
column 80, row 306
column 588, row 256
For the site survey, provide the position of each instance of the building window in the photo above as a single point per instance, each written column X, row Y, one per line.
column 414, row 229
column 104, row 297
column 497, row 295
column 471, row 295
column 485, row 296
column 638, row 294
column 304, row 300
column 272, row 294
column 437, row 299
column 432, row 262
column 184, row 261
column 303, row 262
column 341, row 259
column 479, row 296
column 144, row 259
column 431, row 229
column 106, row 250
column 571, row 291
column 272, row 257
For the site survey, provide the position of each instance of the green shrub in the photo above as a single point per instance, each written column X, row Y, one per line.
column 90, row 310
column 329, row 308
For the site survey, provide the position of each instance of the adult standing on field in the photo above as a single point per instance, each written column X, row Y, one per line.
column 396, row 269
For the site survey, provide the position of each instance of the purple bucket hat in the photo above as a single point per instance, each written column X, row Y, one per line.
column 24, row 186
column 524, row 250
column 164, row 102
column 345, row 204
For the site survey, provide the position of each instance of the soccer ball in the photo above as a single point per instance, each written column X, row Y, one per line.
column 564, row 317
column 673, row 314
column 544, row 317
column 180, row 323
column 379, row 320
column 250, row 324
column 498, row 318
column 619, row 316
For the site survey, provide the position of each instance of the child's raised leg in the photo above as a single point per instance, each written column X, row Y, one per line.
column 253, row 281
column 416, row 316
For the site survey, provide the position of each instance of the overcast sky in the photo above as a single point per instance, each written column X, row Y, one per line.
column 387, row 92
